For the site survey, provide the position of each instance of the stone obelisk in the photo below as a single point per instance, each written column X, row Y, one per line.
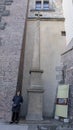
column 35, row 92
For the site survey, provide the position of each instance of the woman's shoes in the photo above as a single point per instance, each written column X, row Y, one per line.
column 11, row 122
column 16, row 122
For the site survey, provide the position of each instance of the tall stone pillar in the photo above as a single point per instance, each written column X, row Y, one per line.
column 35, row 92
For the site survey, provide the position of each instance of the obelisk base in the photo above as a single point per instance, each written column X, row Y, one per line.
column 35, row 106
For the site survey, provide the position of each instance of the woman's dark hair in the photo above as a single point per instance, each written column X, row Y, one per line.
column 18, row 91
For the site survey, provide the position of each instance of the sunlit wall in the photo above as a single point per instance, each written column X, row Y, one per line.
column 68, row 13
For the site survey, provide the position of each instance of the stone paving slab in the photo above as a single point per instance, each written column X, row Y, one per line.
column 64, row 128
column 36, row 126
column 32, row 127
column 4, row 126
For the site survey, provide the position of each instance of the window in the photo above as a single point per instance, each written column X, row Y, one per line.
column 63, row 33
column 38, row 5
column 46, row 5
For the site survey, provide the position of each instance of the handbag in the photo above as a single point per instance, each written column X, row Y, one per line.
column 14, row 105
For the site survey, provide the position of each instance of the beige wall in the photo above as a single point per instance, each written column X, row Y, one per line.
column 51, row 46
column 54, row 11
column 68, row 14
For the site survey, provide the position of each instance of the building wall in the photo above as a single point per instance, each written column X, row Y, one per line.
column 67, row 59
column 68, row 9
column 52, row 43
column 11, row 37
column 55, row 10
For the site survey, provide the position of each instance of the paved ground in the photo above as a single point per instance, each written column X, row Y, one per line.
column 4, row 126
column 31, row 125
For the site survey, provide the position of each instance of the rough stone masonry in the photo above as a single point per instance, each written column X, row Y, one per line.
column 67, row 59
column 12, row 24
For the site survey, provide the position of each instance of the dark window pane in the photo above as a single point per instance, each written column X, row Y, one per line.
column 38, row 5
column 63, row 33
column 46, row 5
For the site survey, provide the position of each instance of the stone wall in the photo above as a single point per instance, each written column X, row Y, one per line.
column 67, row 59
column 52, row 44
column 12, row 24
column 55, row 9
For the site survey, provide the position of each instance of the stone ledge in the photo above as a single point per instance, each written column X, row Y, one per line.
column 35, row 71
column 46, row 18
column 44, row 10
column 35, row 90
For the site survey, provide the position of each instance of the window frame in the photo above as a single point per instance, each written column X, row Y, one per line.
column 38, row 5
column 46, row 5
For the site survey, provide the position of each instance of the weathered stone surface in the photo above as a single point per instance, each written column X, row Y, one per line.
column 55, row 11
column 10, row 49
column 52, row 44
column 35, row 104
column 2, row 2
column 5, row 126
column 2, row 8
column 6, row 2
column 32, row 127
column 3, row 11
column 6, row 13
column 2, row 25
column 67, row 59
column 64, row 128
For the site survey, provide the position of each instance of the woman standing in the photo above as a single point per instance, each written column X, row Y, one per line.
column 17, row 101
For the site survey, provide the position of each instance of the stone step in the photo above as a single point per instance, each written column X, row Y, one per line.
column 64, row 128
column 22, row 121
column 47, row 128
column 47, row 125
column 32, row 127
